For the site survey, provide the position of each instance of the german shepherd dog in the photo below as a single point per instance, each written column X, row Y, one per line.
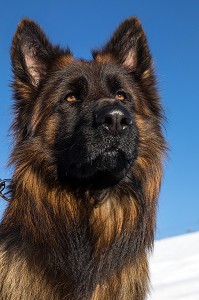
column 87, row 160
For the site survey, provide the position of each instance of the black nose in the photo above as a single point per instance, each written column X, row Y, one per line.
column 114, row 118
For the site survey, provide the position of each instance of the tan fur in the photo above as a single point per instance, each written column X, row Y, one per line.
column 121, row 286
column 20, row 278
column 105, row 58
column 109, row 218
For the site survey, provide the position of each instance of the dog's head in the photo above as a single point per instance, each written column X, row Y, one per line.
column 90, row 120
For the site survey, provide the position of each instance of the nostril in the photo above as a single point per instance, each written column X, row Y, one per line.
column 108, row 120
column 126, row 121
column 123, row 122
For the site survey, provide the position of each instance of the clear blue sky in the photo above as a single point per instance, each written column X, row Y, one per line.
column 172, row 28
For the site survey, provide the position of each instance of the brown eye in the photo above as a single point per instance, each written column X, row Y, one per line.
column 71, row 98
column 120, row 96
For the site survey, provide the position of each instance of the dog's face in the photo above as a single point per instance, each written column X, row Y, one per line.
column 89, row 119
column 97, row 132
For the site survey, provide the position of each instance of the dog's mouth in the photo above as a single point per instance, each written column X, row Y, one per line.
column 113, row 163
column 100, row 164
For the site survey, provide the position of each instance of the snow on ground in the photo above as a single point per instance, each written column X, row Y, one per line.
column 175, row 268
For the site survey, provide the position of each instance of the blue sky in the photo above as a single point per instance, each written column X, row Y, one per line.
column 172, row 28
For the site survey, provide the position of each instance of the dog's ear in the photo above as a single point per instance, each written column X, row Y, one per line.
column 128, row 46
column 31, row 55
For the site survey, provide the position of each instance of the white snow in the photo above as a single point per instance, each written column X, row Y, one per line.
column 175, row 268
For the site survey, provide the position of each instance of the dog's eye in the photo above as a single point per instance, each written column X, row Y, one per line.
column 71, row 98
column 120, row 96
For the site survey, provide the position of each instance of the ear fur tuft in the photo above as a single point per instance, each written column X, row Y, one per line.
column 128, row 46
column 31, row 54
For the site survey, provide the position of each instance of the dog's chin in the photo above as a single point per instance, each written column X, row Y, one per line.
column 105, row 170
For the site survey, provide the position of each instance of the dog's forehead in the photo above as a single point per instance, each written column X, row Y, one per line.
column 93, row 71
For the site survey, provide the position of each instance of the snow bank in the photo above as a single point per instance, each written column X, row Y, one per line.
column 175, row 268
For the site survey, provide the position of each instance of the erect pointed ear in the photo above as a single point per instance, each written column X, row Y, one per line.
column 31, row 55
column 128, row 46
